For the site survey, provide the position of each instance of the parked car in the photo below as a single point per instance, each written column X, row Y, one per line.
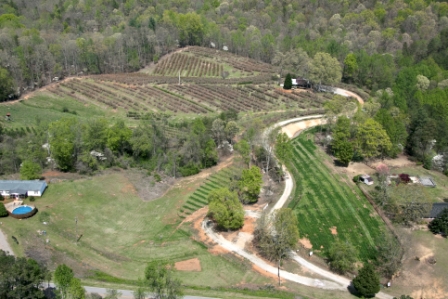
column 366, row 179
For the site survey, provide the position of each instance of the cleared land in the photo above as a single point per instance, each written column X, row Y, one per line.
column 327, row 207
column 119, row 232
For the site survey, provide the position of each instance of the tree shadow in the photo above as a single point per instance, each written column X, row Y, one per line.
column 50, row 293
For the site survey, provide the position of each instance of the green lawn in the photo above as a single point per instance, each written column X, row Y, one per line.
column 437, row 194
column 327, row 201
column 121, row 233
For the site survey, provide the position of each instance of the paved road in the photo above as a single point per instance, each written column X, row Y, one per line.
column 4, row 245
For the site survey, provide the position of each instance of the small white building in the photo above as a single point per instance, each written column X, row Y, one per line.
column 22, row 188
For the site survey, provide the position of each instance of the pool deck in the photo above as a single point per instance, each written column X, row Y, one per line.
column 12, row 205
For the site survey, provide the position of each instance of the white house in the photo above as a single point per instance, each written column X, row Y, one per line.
column 22, row 188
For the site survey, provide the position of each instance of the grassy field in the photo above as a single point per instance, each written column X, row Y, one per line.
column 120, row 232
column 26, row 113
column 327, row 201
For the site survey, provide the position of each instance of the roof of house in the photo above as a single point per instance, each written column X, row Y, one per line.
column 20, row 186
column 437, row 208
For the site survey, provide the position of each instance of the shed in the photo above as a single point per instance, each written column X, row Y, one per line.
column 22, row 188
column 427, row 182
column 437, row 208
column 366, row 179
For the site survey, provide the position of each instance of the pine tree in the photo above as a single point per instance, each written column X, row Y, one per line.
column 288, row 82
column 367, row 283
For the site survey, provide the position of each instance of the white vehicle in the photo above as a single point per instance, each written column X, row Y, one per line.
column 366, row 179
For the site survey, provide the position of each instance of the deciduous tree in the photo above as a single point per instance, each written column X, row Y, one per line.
column 250, row 185
column 63, row 276
column 3, row 211
column 372, row 140
column 30, row 170
column 159, row 279
column 325, row 69
column 342, row 255
column 226, row 209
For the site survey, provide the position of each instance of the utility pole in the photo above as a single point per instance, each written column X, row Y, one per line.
column 76, row 230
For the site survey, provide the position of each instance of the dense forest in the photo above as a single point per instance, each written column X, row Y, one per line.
column 397, row 50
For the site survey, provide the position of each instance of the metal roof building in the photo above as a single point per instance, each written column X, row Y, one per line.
column 30, row 188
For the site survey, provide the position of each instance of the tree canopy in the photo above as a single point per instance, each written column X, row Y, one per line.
column 342, row 256
column 367, row 282
column 439, row 225
column 225, row 208
column 250, row 185
column 159, row 278
column 20, row 277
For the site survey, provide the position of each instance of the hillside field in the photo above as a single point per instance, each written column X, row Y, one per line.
column 327, row 206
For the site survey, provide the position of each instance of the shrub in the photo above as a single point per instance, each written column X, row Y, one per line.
column 404, row 178
column 157, row 177
column 189, row 169
column 3, row 211
column 32, row 198
column 356, row 178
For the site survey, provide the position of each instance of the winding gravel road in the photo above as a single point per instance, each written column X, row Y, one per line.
column 332, row 280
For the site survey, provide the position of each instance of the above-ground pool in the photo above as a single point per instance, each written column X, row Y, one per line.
column 23, row 212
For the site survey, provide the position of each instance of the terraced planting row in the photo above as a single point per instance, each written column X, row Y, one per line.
column 327, row 202
column 189, row 66
column 199, row 198
column 240, row 63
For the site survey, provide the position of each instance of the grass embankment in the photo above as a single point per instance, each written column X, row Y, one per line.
column 198, row 199
column 44, row 108
column 327, row 206
column 121, row 233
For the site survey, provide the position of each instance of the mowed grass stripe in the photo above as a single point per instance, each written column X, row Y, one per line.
column 341, row 190
column 337, row 204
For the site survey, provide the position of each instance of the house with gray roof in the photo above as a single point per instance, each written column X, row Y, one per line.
column 22, row 188
column 437, row 208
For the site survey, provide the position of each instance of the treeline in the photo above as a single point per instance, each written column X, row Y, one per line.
column 72, row 144
column 41, row 40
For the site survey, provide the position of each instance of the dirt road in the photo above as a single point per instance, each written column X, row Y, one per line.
column 4, row 245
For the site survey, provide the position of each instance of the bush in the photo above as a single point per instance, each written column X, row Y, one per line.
column 157, row 177
column 356, row 178
column 32, row 198
column 404, row 178
column 3, row 211
column 189, row 169
column 440, row 224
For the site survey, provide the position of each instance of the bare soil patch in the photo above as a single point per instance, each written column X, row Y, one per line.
column 294, row 129
column 334, row 230
column 145, row 185
column 305, row 243
column 188, row 265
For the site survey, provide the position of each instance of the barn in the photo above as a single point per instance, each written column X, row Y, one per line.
column 22, row 188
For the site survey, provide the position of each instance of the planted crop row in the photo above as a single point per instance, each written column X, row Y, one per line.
column 325, row 203
column 188, row 66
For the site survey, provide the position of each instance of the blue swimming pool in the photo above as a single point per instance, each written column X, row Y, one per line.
column 22, row 210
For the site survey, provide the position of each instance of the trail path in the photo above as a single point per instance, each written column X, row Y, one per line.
column 4, row 245
column 331, row 281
